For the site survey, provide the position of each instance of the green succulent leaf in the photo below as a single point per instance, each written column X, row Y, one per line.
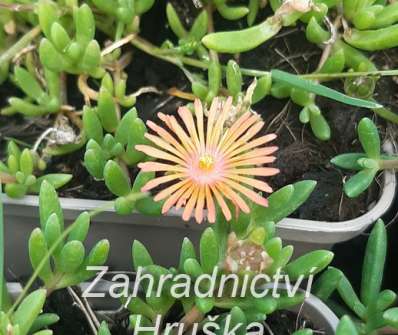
column 369, row 138
column 57, row 180
column 348, row 161
column 116, row 179
column 43, row 321
column 208, row 250
column 71, row 256
column 80, row 228
column 285, row 201
column 103, row 329
column 359, row 182
column 373, row 266
column 141, row 256
column 49, row 204
column 28, row 310
column 52, row 232
column 92, row 125
column 390, row 316
column 327, row 283
column 187, row 252
column 311, row 263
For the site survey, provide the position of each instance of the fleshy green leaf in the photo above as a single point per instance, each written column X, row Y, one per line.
column 369, row 138
column 116, row 179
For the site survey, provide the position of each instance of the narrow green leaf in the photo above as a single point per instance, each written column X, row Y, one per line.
column 49, row 204
column 208, row 250
column 369, row 138
column 297, row 82
column 359, row 182
column 390, row 316
column 141, row 256
column 28, row 310
column 311, row 263
column 116, row 179
column 348, row 161
column 373, row 266
column 346, row 327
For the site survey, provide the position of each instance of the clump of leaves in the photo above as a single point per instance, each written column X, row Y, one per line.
column 371, row 310
column 39, row 100
column 68, row 263
column 110, row 150
column 28, row 317
column 368, row 163
column 125, row 14
column 80, row 54
column 22, row 173
column 229, row 247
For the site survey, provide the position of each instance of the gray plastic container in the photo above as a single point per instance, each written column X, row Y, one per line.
column 163, row 235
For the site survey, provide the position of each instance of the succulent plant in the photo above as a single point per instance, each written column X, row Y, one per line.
column 371, row 310
column 69, row 262
column 368, row 163
column 247, row 245
column 23, row 172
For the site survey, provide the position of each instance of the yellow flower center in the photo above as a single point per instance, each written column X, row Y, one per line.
column 206, row 163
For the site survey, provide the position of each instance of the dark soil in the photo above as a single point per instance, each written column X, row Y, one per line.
column 286, row 323
column 300, row 156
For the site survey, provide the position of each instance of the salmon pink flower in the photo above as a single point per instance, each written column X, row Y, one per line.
column 204, row 162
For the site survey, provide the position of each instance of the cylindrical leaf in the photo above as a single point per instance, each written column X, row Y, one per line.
column 71, row 256
column 116, row 179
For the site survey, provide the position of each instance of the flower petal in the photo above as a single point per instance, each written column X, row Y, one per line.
column 233, row 196
column 189, row 122
column 200, row 205
column 211, row 210
column 221, row 202
column 170, row 190
column 258, row 184
column 183, row 199
column 155, row 167
column 161, row 180
column 263, row 172
column 249, row 134
column 253, row 196
column 156, row 153
column 210, row 121
column 165, row 145
column 163, row 133
column 260, row 152
column 253, row 144
column 182, row 135
column 200, row 123
column 252, row 161
column 186, row 215
column 219, row 126
column 170, row 202
column 237, row 129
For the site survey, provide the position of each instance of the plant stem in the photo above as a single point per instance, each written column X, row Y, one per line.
column 2, row 281
column 389, row 164
column 193, row 316
column 6, row 178
column 157, row 52
column 386, row 114
column 22, row 43
column 17, row 7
